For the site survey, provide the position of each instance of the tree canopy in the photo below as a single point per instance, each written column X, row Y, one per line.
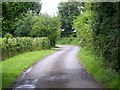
column 12, row 11
column 68, row 12
column 46, row 26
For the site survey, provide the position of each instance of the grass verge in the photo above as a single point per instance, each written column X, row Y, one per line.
column 95, row 66
column 14, row 66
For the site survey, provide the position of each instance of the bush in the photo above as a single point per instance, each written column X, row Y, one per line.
column 45, row 26
column 107, row 31
column 13, row 46
column 98, row 28
column 83, row 26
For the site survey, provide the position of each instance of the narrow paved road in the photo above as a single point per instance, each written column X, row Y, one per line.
column 59, row 70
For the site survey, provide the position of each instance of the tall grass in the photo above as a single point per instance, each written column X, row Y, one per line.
column 96, row 67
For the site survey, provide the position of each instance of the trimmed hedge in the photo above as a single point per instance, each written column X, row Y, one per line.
column 13, row 46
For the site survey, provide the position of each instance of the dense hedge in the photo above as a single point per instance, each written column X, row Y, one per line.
column 106, row 31
column 13, row 46
column 98, row 28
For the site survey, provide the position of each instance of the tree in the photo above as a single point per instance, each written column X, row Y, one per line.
column 45, row 26
column 68, row 12
column 12, row 11
column 24, row 25
column 83, row 25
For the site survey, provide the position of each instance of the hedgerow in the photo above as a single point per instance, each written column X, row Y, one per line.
column 98, row 29
column 14, row 46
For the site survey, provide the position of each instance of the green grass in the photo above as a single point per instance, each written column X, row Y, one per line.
column 0, row 76
column 95, row 66
column 14, row 66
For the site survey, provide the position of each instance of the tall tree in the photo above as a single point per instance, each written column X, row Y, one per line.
column 45, row 26
column 83, row 25
column 68, row 12
column 12, row 11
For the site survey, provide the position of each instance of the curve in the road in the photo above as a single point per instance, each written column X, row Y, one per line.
column 59, row 70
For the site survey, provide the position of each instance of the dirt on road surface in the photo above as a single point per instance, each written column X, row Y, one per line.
column 61, row 69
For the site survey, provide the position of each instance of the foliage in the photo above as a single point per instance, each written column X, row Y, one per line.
column 83, row 27
column 38, row 26
column 22, row 20
column 98, row 28
column 68, row 11
column 24, row 25
column 12, row 11
column 8, row 35
column 95, row 66
column 106, row 31
column 13, row 46
column 45, row 26
column 14, row 66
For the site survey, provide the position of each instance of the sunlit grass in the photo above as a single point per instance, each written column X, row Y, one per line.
column 14, row 66
column 95, row 66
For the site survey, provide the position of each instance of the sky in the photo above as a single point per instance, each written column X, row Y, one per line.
column 50, row 6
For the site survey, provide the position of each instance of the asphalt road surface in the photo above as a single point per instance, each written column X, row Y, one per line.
column 61, row 69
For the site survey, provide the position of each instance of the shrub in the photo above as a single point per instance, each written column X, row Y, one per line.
column 45, row 26
column 98, row 29
column 13, row 46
